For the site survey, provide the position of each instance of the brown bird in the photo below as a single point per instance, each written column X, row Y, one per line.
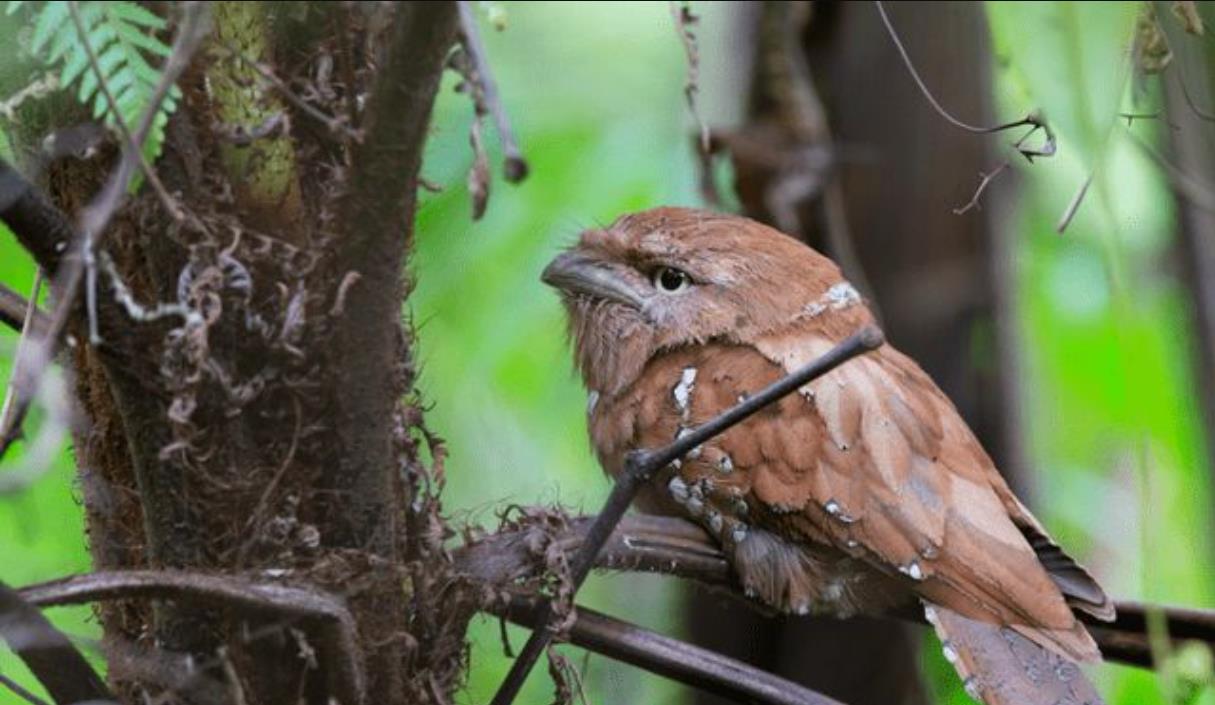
column 864, row 493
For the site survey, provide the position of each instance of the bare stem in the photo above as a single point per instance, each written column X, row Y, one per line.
column 514, row 167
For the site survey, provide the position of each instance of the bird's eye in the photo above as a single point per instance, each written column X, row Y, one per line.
column 670, row 280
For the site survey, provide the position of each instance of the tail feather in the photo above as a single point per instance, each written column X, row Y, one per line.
column 1078, row 587
column 1000, row 666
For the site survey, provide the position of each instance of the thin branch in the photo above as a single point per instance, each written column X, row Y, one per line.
column 1158, row 115
column 984, row 182
column 13, row 310
column 24, row 210
column 1189, row 99
column 149, row 173
column 989, row 177
column 1074, row 205
column 21, row 692
column 336, row 628
column 19, row 359
column 514, row 166
column 1033, row 119
column 674, row 659
column 640, row 466
column 53, row 660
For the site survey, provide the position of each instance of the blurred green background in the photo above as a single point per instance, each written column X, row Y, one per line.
column 595, row 93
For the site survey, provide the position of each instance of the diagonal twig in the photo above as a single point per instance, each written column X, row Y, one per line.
column 13, row 311
column 1073, row 206
column 641, row 465
column 19, row 359
column 20, row 692
column 672, row 658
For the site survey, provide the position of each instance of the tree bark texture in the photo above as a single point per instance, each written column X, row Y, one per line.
column 272, row 432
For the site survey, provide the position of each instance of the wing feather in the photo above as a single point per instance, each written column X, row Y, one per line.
column 871, row 459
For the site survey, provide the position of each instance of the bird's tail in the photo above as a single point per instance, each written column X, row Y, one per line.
column 1001, row 667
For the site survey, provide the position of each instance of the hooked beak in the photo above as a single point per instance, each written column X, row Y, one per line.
column 576, row 273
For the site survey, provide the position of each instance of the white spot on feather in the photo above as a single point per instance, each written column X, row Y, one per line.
column 930, row 615
column 833, row 508
column 950, row 653
column 971, row 686
column 842, row 295
column 678, row 489
column 683, row 391
column 592, row 400
column 838, row 297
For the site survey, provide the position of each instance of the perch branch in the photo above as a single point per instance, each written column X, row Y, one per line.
column 641, row 465
column 337, row 633
column 678, row 547
column 67, row 677
column 671, row 658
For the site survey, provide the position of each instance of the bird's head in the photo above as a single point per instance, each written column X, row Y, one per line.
column 670, row 277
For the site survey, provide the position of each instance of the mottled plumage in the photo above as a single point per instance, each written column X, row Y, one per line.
column 863, row 493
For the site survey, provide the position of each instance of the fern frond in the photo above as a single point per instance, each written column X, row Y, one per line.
column 122, row 36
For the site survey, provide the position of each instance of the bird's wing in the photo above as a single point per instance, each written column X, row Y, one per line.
column 919, row 494
column 870, row 460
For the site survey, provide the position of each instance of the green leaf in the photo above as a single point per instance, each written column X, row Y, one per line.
column 133, row 14
column 144, row 41
column 50, row 21
column 122, row 37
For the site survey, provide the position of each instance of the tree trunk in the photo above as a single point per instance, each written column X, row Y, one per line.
column 271, row 432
